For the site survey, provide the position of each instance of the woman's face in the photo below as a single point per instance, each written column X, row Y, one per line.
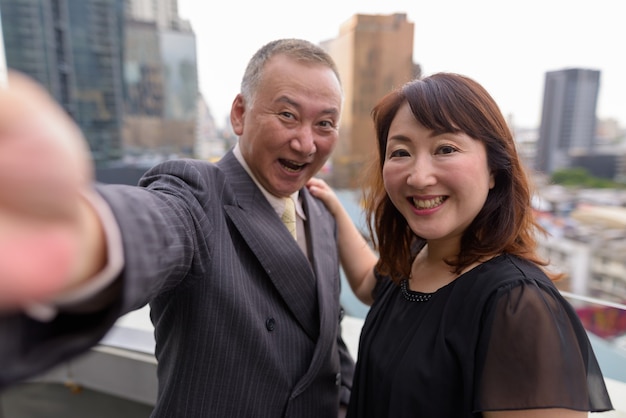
column 439, row 183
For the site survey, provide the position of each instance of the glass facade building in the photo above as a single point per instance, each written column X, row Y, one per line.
column 568, row 119
column 74, row 48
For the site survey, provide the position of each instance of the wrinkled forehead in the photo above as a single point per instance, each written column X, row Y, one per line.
column 286, row 79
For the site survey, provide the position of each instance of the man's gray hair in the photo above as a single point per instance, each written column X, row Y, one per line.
column 296, row 49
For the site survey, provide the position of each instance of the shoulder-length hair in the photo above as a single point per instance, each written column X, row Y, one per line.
column 446, row 102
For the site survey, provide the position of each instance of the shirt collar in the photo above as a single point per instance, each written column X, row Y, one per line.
column 277, row 202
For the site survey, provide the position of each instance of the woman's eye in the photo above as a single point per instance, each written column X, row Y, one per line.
column 398, row 153
column 446, row 149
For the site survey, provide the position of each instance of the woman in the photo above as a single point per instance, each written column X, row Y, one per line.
column 464, row 319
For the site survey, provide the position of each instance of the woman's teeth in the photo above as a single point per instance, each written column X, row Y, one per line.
column 428, row 203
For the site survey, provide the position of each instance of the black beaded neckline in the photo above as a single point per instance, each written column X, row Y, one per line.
column 411, row 295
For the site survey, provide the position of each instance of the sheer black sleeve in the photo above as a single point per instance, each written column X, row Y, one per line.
column 535, row 353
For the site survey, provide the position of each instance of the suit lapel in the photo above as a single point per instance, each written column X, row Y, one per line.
column 323, row 247
column 283, row 261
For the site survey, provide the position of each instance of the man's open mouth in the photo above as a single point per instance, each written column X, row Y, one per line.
column 292, row 165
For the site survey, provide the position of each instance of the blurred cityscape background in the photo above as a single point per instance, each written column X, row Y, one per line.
column 126, row 71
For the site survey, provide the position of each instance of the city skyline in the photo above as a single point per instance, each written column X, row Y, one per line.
column 506, row 47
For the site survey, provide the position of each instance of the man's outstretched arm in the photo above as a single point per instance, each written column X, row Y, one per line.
column 51, row 239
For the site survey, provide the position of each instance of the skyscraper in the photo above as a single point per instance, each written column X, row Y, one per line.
column 568, row 119
column 164, row 13
column 374, row 54
column 161, row 78
column 73, row 48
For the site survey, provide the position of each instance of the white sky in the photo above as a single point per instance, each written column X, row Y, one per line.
column 507, row 46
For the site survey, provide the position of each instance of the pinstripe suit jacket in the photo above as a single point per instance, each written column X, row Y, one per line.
column 245, row 325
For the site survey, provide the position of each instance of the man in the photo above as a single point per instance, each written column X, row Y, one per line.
column 247, row 318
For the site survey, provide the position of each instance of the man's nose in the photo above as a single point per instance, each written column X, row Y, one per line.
column 304, row 141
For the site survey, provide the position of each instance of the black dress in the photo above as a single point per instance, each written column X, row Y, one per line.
column 499, row 337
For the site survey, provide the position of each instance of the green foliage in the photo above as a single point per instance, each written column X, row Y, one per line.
column 580, row 177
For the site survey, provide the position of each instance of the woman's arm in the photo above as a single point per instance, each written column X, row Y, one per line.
column 357, row 257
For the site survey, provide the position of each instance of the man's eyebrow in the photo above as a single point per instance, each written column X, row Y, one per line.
column 288, row 100
column 333, row 111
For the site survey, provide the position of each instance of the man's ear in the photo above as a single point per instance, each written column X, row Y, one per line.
column 237, row 113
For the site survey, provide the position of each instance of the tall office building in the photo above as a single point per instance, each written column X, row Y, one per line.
column 96, row 33
column 161, row 77
column 209, row 146
column 568, row 119
column 144, row 94
column 30, row 38
column 73, row 48
column 164, row 13
column 374, row 54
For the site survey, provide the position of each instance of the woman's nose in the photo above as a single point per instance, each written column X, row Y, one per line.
column 422, row 174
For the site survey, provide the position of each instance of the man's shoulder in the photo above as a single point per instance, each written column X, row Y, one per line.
column 187, row 169
column 314, row 206
column 182, row 164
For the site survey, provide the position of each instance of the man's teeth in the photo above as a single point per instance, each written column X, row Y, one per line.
column 292, row 166
column 428, row 203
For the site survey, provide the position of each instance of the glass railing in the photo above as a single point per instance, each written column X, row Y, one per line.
column 605, row 322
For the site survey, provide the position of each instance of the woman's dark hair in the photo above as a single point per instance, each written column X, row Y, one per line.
column 446, row 102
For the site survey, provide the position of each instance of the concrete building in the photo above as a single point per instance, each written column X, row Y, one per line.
column 209, row 145
column 161, row 79
column 374, row 54
column 164, row 13
column 568, row 118
column 144, row 93
column 587, row 241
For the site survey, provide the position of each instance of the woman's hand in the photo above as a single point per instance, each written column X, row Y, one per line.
column 320, row 189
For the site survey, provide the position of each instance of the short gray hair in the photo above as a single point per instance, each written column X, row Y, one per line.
column 296, row 49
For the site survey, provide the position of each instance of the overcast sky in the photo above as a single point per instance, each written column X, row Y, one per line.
column 505, row 45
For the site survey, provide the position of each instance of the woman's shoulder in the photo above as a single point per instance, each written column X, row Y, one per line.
column 500, row 275
column 507, row 269
column 383, row 284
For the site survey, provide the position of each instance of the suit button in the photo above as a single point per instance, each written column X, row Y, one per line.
column 338, row 379
column 270, row 324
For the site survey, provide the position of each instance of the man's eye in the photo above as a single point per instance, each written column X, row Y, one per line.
column 287, row 115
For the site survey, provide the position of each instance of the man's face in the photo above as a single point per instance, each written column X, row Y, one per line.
column 292, row 127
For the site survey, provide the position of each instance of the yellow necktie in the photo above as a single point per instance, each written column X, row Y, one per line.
column 289, row 216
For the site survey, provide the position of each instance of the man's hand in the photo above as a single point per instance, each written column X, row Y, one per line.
column 44, row 168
